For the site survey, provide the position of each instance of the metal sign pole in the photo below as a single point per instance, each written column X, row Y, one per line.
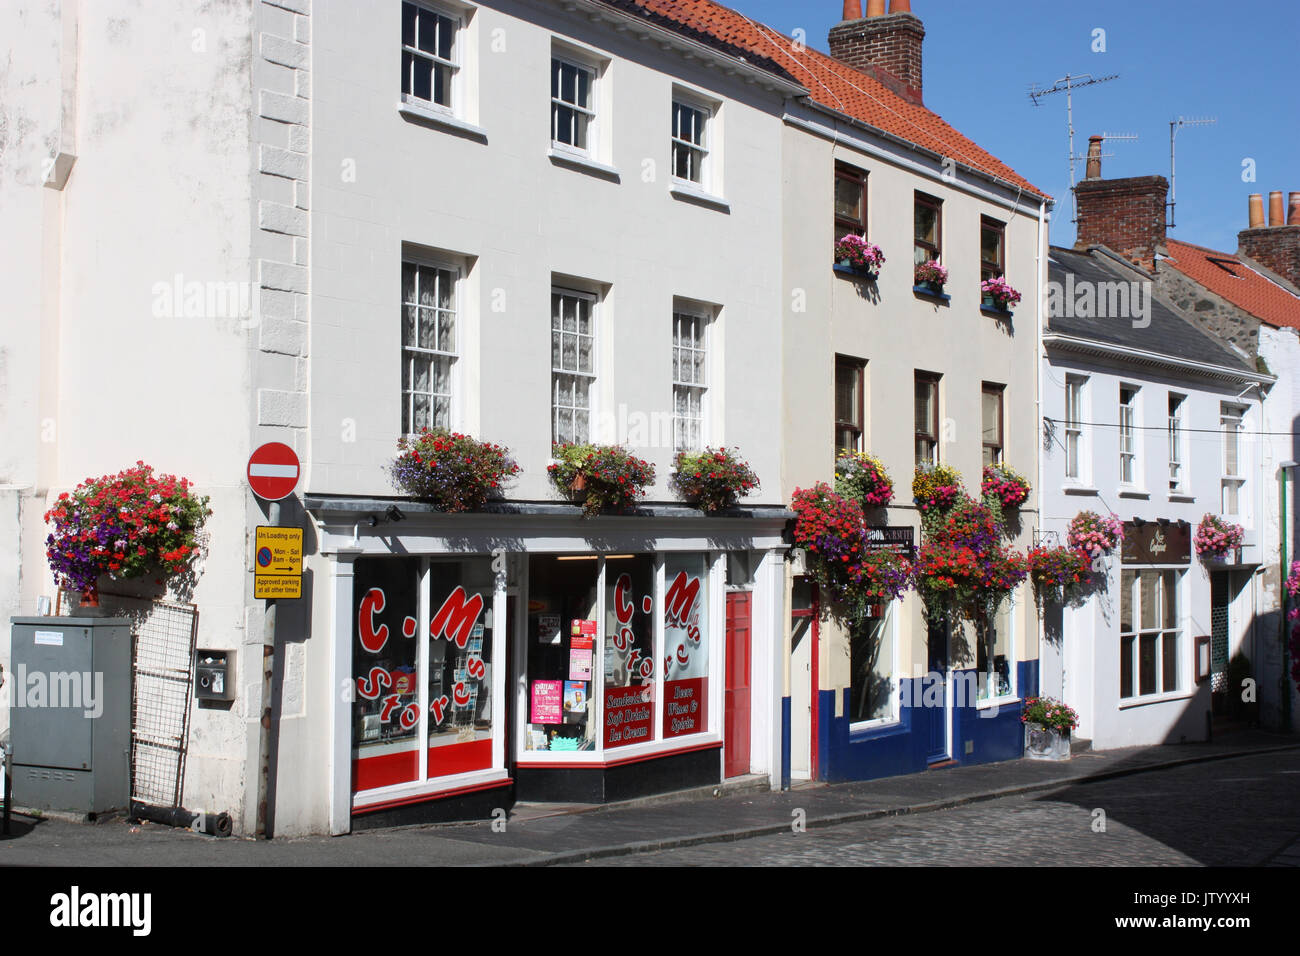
column 264, row 734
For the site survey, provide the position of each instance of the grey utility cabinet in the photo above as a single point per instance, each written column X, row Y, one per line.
column 70, row 713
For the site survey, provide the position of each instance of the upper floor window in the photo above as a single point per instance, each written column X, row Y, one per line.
column 429, row 64
column 690, row 379
column 850, row 201
column 1075, row 455
column 992, row 249
column 849, row 417
column 1177, row 434
column 1128, row 447
column 1231, row 421
column 429, row 319
column 573, row 107
column 690, row 141
column 928, row 220
column 991, row 412
column 926, row 414
column 573, row 365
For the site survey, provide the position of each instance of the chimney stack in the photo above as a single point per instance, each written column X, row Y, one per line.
column 886, row 46
column 1276, row 246
column 1125, row 215
column 1094, row 157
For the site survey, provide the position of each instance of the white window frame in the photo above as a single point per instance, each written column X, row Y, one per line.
column 453, row 65
column 702, row 389
column 561, row 58
column 890, row 626
column 1129, row 416
column 1178, row 480
column 410, row 351
column 1232, row 484
column 1013, row 678
column 1074, row 429
column 705, row 147
column 1179, row 629
column 556, row 372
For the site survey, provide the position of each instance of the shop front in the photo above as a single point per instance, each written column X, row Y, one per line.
column 529, row 654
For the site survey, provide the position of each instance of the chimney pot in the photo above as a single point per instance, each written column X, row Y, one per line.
column 1293, row 212
column 1275, row 208
column 852, row 9
column 885, row 46
column 1256, row 219
column 900, row 6
column 875, row 8
column 1094, row 157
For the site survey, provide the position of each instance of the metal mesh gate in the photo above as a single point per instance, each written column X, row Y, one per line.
column 1218, row 632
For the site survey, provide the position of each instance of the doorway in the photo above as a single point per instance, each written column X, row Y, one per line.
column 934, row 697
column 736, row 714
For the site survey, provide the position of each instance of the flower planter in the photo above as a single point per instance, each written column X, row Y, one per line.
column 931, row 288
column 862, row 272
column 1046, row 743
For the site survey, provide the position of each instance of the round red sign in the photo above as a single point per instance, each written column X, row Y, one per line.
column 273, row 471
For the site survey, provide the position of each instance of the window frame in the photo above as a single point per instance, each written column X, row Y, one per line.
column 1075, row 416
column 858, row 227
column 1162, row 631
column 889, row 625
column 936, row 249
column 700, row 345
column 561, row 58
column 432, row 264
column 857, row 368
column 1010, row 604
column 1233, row 482
column 1129, row 430
column 992, row 388
column 934, row 379
column 683, row 99
column 454, row 65
column 593, row 377
column 990, row 269
column 1177, row 434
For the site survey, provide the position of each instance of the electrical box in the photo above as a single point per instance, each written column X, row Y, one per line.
column 70, row 713
column 214, row 675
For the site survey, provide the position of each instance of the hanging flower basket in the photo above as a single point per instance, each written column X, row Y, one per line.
column 1216, row 537
column 133, row 524
column 964, row 569
column 713, row 479
column 599, row 477
column 453, row 471
column 854, row 252
column 862, row 478
column 936, row 488
column 1059, row 574
column 1095, row 535
column 1010, row 488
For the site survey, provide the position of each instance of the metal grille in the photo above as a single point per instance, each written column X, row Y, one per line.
column 164, row 656
column 1218, row 647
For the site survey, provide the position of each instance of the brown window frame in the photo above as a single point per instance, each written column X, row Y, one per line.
column 859, row 368
column 932, row 436
column 935, row 252
column 988, row 269
column 857, row 227
column 992, row 388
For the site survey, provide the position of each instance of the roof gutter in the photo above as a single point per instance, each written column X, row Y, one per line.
column 1074, row 343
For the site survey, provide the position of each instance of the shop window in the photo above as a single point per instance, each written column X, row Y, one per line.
column 686, row 644
column 1150, row 633
column 388, row 661
column 871, row 657
column 429, row 66
column 429, row 319
column 629, row 650
column 562, row 627
column 995, row 658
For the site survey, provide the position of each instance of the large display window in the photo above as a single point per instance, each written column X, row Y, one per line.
column 563, row 637
column 629, row 705
column 686, row 644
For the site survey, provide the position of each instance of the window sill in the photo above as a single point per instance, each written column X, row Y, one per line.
column 997, row 703
column 1126, row 702
column 1182, row 499
column 432, row 116
column 925, row 293
column 680, row 190
column 993, row 311
column 864, row 274
column 583, row 164
column 871, row 730
column 1079, row 490
column 1134, row 493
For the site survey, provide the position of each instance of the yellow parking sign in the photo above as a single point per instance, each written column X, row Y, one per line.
column 277, row 566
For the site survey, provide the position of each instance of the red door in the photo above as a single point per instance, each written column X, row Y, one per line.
column 735, row 759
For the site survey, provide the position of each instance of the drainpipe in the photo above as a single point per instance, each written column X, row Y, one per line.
column 1041, row 268
column 1284, row 630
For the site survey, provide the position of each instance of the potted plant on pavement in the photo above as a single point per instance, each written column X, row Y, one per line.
column 599, row 477
column 1048, row 724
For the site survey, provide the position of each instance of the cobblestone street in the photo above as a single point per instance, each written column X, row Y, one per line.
column 1232, row 813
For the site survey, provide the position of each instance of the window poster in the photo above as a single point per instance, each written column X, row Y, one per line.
column 547, row 702
column 629, row 650
column 686, row 644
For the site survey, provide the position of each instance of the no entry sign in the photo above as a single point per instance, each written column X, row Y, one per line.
column 273, row 471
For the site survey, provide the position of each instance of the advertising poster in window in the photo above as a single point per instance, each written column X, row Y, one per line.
column 460, row 666
column 686, row 645
column 629, row 651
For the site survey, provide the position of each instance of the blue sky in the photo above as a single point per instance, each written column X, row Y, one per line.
column 1232, row 60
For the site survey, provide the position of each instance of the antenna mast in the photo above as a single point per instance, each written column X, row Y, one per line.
column 1067, row 85
column 1174, row 127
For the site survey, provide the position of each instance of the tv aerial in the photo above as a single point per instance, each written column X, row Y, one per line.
column 1174, row 127
column 1067, row 85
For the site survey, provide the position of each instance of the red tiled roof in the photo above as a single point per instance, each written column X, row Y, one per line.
column 834, row 84
column 1227, row 276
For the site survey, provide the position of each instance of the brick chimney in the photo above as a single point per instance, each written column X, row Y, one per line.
column 1126, row 215
column 1277, row 245
column 884, row 45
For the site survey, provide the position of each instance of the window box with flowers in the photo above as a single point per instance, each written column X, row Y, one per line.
column 1059, row 575
column 998, row 296
column 1008, row 487
column 854, row 255
column 713, row 480
column 599, row 477
column 935, row 489
column 1048, row 723
column 453, row 471
column 131, row 525
column 862, row 478
column 1216, row 538
column 929, row 278
column 1095, row 535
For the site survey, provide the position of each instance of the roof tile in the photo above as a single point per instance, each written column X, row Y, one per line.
column 1229, row 277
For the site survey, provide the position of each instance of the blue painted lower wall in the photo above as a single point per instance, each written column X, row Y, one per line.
column 902, row 747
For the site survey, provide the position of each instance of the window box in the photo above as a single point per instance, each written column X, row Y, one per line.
column 932, row 290
column 844, row 267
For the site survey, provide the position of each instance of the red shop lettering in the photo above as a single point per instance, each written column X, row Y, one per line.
column 372, row 639
column 456, row 618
